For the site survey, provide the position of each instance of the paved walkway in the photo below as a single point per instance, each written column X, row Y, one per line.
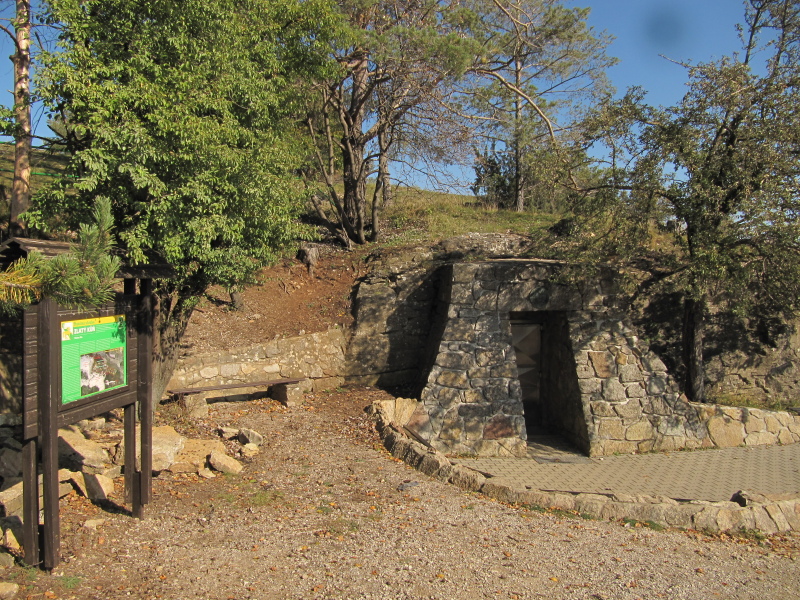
column 699, row 475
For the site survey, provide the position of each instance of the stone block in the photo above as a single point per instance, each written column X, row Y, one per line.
column 601, row 363
column 602, row 409
column 760, row 438
column 614, row 391
column 289, row 395
column 630, row 410
column 589, row 386
column 454, row 360
column 773, row 424
column 10, row 463
column 466, row 478
column 196, row 405
column 453, row 379
column 630, row 373
column 639, row 431
column 80, row 454
column 635, row 390
column 753, row 424
column 433, row 463
column 498, row 427
column 610, row 429
column 618, row 446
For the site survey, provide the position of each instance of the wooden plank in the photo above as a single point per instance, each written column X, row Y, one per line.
column 49, row 398
column 231, row 386
column 145, row 393
column 129, row 440
column 30, row 381
column 30, row 502
column 73, row 414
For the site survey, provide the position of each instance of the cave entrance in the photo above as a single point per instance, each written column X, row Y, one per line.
column 548, row 379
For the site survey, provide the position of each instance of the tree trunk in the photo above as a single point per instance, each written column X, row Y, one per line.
column 693, row 331
column 519, row 186
column 237, row 300
column 171, row 316
column 21, row 188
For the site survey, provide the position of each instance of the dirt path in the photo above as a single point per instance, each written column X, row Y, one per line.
column 324, row 512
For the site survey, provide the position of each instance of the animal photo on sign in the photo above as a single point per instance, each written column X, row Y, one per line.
column 101, row 371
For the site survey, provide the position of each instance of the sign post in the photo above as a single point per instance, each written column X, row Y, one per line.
column 79, row 365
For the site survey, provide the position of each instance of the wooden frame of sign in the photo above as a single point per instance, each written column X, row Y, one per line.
column 99, row 377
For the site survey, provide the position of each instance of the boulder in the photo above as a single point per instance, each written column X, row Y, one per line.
column 80, row 454
column 98, row 487
column 223, row 463
column 249, row 436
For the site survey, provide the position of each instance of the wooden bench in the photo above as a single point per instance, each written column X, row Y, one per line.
column 181, row 393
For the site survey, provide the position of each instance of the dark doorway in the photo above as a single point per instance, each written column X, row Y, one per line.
column 551, row 399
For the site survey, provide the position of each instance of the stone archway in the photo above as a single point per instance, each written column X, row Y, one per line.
column 610, row 394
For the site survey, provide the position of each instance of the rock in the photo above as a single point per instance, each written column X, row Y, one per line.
column 206, row 473
column 98, row 487
column 220, row 461
column 194, row 454
column 249, row 436
column 80, row 454
column 167, row 443
column 8, row 590
column 93, row 524
column 250, row 450
column 10, row 463
column 6, row 560
column 228, row 432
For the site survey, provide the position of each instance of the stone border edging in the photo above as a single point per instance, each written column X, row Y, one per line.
column 767, row 516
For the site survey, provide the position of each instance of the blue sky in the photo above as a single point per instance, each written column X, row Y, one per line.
column 682, row 30
column 693, row 30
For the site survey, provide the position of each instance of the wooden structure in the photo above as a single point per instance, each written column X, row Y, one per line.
column 45, row 409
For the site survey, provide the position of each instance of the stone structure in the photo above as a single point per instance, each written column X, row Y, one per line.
column 599, row 387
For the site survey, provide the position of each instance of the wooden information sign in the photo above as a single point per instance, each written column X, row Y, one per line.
column 78, row 365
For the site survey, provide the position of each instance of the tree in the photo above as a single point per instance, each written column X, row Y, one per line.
column 417, row 80
column 183, row 115
column 541, row 63
column 723, row 168
column 18, row 120
column 391, row 57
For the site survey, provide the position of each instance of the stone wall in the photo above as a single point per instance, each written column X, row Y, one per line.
column 317, row 356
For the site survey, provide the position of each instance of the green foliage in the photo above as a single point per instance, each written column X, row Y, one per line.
column 82, row 277
column 181, row 115
column 719, row 172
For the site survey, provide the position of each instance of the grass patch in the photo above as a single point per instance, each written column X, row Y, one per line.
column 265, row 498
column 422, row 216
column 748, row 401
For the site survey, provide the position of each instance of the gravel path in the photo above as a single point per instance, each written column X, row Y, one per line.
column 324, row 512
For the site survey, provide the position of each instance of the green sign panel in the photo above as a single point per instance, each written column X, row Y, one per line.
column 93, row 357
